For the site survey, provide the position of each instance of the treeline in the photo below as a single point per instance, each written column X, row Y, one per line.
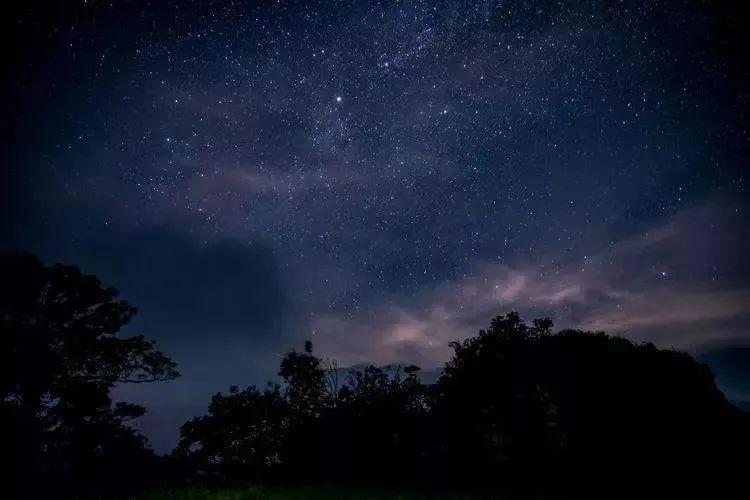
column 518, row 410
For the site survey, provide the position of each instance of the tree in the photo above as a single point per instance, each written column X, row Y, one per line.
column 525, row 408
column 497, row 412
column 305, row 380
column 518, row 410
column 243, row 435
column 253, row 434
column 301, row 429
column 383, row 419
column 59, row 358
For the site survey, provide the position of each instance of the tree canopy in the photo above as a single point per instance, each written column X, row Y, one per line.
column 59, row 358
column 517, row 409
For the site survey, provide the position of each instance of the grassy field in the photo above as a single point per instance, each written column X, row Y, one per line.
column 296, row 493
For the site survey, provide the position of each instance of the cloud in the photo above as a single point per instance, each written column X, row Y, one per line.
column 671, row 308
column 660, row 285
column 183, row 284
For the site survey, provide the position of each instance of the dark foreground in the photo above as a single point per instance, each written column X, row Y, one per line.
column 299, row 492
column 518, row 410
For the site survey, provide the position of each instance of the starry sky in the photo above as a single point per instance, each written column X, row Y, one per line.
column 384, row 177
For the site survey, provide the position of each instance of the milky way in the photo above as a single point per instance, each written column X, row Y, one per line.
column 383, row 177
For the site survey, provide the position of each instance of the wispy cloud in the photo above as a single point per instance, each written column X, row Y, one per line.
column 659, row 285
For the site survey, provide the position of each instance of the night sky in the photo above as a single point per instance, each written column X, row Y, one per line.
column 383, row 177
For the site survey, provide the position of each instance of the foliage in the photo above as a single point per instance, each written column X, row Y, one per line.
column 243, row 433
column 59, row 358
column 579, row 409
column 305, row 381
column 301, row 429
column 518, row 409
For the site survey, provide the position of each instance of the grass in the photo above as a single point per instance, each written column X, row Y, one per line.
column 311, row 492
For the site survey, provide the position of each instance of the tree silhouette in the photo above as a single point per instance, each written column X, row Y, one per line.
column 576, row 410
column 59, row 359
column 256, row 434
column 518, row 410
column 382, row 419
column 296, row 431
column 489, row 397
column 243, row 435
column 304, row 378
